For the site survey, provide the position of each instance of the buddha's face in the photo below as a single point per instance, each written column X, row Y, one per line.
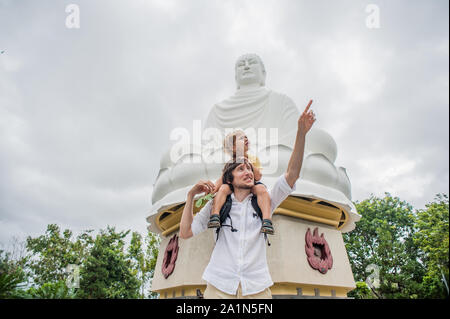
column 249, row 70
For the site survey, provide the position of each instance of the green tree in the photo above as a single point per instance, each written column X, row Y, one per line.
column 384, row 237
column 143, row 258
column 362, row 291
column 51, row 290
column 49, row 254
column 137, row 257
column 153, row 243
column 106, row 269
column 12, row 276
column 433, row 238
column 107, row 272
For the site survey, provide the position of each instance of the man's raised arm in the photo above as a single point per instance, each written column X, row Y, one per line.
column 188, row 214
column 305, row 123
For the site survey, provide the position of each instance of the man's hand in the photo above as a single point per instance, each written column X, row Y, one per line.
column 187, row 217
column 202, row 187
column 306, row 120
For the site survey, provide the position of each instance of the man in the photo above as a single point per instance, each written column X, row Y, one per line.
column 238, row 265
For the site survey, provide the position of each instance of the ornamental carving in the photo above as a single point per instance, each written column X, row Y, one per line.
column 318, row 251
column 170, row 256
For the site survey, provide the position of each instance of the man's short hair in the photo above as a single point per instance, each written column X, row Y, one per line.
column 227, row 173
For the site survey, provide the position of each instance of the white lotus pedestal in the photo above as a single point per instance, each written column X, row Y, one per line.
column 307, row 256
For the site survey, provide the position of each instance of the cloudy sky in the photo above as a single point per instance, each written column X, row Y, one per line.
column 85, row 113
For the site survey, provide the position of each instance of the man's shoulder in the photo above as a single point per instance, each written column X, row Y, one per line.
column 282, row 184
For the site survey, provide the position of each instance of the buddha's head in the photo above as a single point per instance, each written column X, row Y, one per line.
column 250, row 70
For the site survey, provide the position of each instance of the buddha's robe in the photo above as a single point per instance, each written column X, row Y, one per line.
column 258, row 108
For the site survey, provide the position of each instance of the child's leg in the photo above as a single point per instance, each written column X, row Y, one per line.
column 220, row 198
column 218, row 202
column 263, row 199
column 264, row 203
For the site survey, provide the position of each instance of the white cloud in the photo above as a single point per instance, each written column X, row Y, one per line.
column 392, row 174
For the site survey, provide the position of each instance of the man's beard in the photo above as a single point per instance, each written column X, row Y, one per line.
column 243, row 186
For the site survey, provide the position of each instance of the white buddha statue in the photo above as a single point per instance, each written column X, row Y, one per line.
column 254, row 107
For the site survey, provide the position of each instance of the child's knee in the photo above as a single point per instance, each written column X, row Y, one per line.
column 225, row 189
column 260, row 190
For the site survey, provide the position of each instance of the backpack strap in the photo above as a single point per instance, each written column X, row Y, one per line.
column 256, row 206
column 225, row 210
column 224, row 214
column 259, row 214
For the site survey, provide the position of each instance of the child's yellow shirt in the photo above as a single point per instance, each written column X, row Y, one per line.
column 254, row 160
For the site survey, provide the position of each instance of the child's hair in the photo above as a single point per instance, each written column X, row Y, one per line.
column 230, row 141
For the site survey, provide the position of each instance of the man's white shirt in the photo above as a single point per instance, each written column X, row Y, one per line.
column 240, row 257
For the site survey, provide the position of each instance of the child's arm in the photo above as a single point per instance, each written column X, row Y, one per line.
column 217, row 184
column 257, row 173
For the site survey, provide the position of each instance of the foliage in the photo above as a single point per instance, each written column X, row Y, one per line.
column 384, row 237
column 143, row 259
column 433, row 238
column 362, row 291
column 107, row 272
column 12, row 276
column 204, row 199
column 53, row 251
column 51, row 290
column 153, row 243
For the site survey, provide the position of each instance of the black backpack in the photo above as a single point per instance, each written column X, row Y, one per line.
column 225, row 213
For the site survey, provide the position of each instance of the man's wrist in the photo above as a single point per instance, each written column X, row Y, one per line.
column 301, row 129
column 300, row 136
column 190, row 195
